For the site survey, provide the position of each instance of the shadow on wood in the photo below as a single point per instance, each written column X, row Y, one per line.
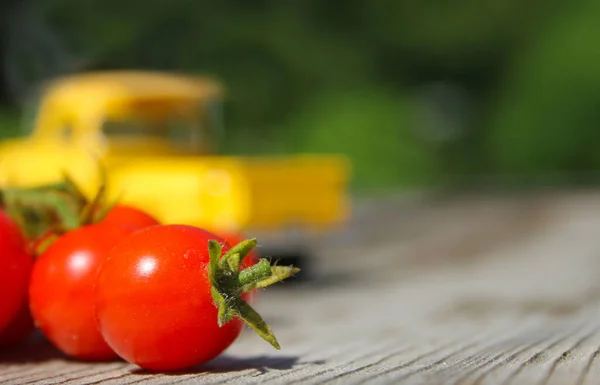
column 35, row 349
column 228, row 364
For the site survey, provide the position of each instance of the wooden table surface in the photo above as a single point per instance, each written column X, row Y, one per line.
column 471, row 290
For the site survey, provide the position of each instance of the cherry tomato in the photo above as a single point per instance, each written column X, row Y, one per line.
column 62, row 289
column 15, row 269
column 154, row 303
column 19, row 329
column 124, row 214
column 11, row 231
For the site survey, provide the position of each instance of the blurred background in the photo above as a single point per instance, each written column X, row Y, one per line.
column 416, row 93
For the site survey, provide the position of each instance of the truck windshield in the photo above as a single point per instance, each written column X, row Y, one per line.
column 186, row 133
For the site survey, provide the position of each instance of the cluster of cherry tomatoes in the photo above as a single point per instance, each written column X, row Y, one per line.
column 162, row 296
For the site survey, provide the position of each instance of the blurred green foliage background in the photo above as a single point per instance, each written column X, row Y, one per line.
column 414, row 92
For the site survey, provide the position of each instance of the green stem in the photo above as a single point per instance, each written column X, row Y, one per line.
column 229, row 283
column 38, row 210
column 214, row 252
column 101, row 213
column 242, row 248
column 278, row 273
column 256, row 322
column 234, row 262
column 60, row 201
column 255, row 273
column 88, row 213
column 55, row 207
column 69, row 186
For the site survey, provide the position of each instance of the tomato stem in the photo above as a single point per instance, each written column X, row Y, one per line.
column 229, row 283
column 278, row 273
column 243, row 249
column 255, row 273
column 55, row 207
column 37, row 210
column 214, row 252
column 89, row 211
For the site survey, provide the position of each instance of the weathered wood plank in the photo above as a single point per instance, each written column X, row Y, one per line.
column 501, row 291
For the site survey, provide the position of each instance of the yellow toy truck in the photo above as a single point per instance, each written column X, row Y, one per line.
column 153, row 133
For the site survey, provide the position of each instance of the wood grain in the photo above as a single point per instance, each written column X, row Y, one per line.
column 502, row 290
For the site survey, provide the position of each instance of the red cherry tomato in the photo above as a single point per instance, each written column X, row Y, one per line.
column 62, row 290
column 19, row 329
column 154, row 303
column 11, row 231
column 124, row 214
column 15, row 269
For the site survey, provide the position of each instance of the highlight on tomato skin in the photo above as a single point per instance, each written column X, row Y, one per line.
column 62, row 290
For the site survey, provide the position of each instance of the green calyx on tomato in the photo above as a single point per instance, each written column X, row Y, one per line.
column 39, row 209
column 56, row 208
column 46, row 212
column 229, row 283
